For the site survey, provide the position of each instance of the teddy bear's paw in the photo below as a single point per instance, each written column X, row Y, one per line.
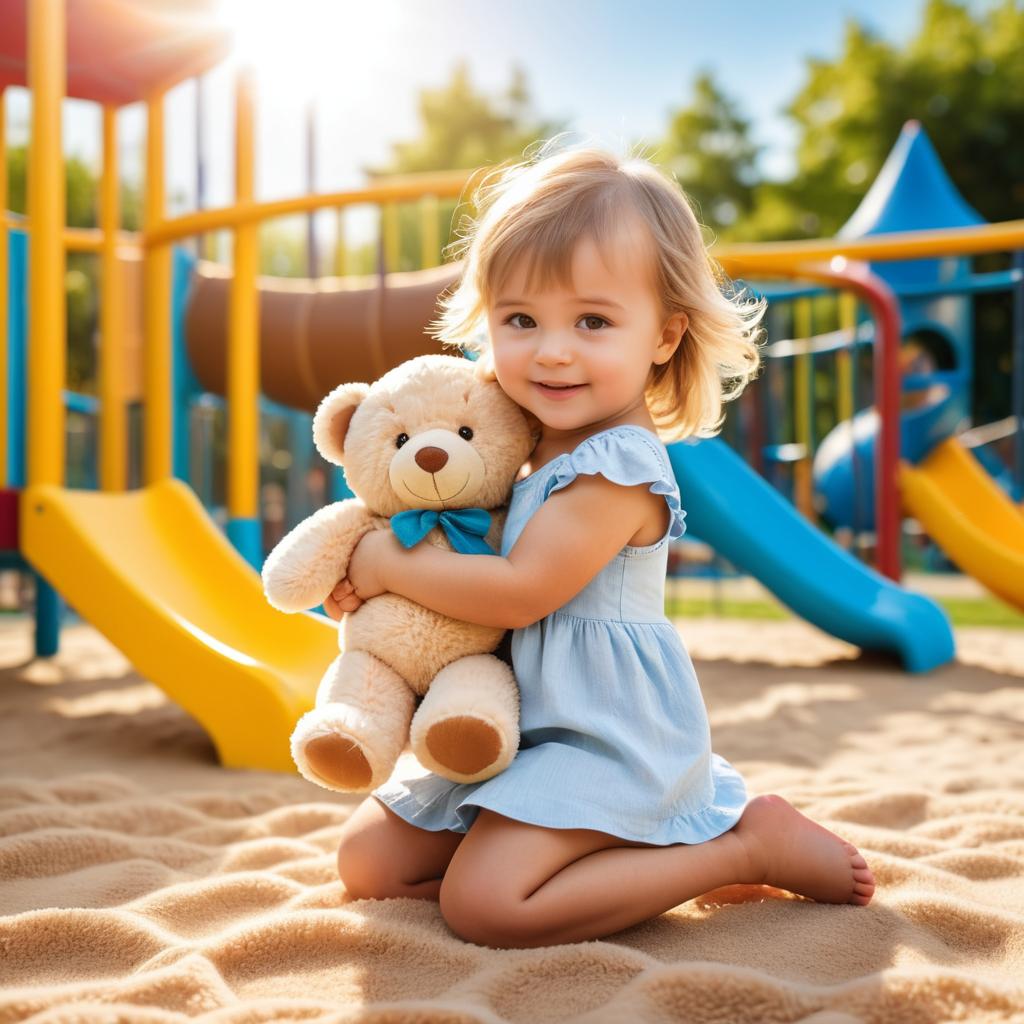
column 339, row 761
column 334, row 756
column 465, row 748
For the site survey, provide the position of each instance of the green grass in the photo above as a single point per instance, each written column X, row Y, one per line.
column 984, row 611
column 697, row 608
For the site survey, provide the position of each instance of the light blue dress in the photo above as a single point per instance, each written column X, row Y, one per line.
column 613, row 730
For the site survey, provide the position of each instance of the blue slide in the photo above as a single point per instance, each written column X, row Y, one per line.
column 748, row 522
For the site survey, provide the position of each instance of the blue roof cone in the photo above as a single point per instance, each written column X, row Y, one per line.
column 912, row 192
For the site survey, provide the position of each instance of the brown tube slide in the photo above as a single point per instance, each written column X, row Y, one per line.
column 317, row 334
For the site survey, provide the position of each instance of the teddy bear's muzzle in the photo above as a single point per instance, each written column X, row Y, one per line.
column 436, row 467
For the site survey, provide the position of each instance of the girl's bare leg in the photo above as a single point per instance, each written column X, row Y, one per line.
column 381, row 855
column 516, row 885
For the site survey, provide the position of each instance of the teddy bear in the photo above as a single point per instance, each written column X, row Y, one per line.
column 431, row 450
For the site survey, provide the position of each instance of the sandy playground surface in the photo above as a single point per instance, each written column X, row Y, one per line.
column 139, row 881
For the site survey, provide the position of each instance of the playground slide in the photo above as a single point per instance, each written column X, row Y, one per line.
column 754, row 527
column 154, row 574
column 969, row 516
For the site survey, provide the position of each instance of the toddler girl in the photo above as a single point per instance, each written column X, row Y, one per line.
column 590, row 296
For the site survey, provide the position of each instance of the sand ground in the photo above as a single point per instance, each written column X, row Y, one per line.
column 139, row 881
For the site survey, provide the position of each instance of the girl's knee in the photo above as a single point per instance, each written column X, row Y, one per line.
column 380, row 855
column 367, row 865
column 362, row 869
column 478, row 914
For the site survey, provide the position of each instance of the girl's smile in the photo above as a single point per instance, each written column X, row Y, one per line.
column 559, row 392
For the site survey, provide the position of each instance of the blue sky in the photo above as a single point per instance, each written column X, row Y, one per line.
column 613, row 69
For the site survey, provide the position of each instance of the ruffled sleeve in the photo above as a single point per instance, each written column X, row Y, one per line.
column 627, row 457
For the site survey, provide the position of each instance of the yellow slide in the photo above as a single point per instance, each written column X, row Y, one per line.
column 153, row 573
column 969, row 516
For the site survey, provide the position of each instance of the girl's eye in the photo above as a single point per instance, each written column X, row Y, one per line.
column 401, row 439
column 521, row 316
column 593, row 322
column 466, row 433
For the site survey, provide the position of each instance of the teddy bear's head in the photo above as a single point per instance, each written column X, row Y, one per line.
column 433, row 433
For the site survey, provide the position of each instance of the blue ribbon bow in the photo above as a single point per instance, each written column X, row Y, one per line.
column 465, row 528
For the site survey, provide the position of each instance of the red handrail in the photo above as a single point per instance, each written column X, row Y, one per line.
column 857, row 276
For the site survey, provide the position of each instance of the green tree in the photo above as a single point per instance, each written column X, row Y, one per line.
column 283, row 249
column 82, row 270
column 80, row 194
column 461, row 128
column 708, row 150
column 961, row 76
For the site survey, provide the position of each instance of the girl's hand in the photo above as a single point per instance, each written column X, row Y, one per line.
column 341, row 599
column 370, row 563
column 365, row 575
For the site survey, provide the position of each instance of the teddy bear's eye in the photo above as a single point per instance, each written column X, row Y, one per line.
column 401, row 439
column 466, row 433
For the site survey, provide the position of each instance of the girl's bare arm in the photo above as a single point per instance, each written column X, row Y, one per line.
column 573, row 535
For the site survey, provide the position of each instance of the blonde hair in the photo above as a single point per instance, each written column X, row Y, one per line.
column 541, row 207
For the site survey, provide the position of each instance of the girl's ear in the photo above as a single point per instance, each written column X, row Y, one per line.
column 332, row 418
column 671, row 336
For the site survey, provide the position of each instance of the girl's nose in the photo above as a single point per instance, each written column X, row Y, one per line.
column 552, row 350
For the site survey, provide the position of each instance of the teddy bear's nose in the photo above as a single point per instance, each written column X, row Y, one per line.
column 431, row 459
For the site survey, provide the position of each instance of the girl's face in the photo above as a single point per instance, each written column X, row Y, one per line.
column 579, row 356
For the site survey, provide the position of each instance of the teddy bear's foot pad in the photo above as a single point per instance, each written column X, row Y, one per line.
column 464, row 744
column 340, row 761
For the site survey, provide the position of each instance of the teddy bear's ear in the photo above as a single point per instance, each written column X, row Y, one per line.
column 333, row 415
column 483, row 369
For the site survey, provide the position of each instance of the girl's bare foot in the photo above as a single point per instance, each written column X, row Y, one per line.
column 790, row 851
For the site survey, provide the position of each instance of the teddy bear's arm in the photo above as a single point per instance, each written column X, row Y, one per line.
column 307, row 562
